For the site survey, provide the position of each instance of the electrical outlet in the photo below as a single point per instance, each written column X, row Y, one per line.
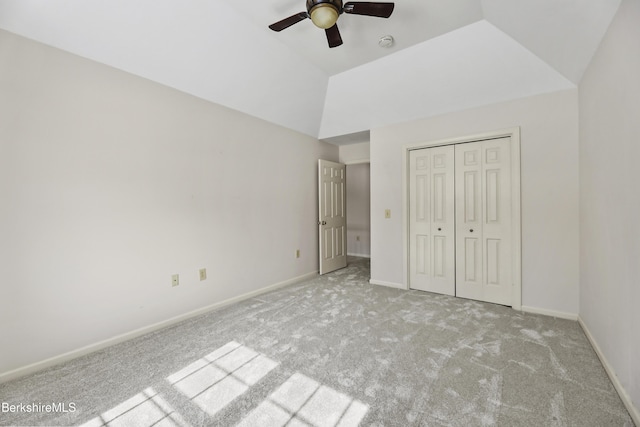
column 175, row 280
column 387, row 213
column 203, row 274
column 297, row 253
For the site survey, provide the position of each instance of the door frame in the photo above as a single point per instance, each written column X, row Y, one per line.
column 516, row 234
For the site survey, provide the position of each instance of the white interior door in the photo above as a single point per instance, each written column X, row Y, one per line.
column 332, row 218
column 483, row 221
column 432, row 220
column 460, row 222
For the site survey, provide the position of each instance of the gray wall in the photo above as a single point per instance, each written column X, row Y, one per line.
column 610, row 198
column 549, row 192
column 111, row 183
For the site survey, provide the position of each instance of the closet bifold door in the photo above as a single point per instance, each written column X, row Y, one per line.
column 483, row 221
column 432, row 220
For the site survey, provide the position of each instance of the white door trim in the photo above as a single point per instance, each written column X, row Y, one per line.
column 514, row 134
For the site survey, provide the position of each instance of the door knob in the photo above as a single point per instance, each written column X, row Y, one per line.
column 439, row 229
column 471, row 230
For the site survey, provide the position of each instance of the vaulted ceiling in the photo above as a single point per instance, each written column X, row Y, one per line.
column 448, row 55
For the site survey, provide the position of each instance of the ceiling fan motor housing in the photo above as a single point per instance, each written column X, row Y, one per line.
column 324, row 13
column 337, row 4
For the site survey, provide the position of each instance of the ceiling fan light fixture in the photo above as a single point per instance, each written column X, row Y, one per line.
column 324, row 15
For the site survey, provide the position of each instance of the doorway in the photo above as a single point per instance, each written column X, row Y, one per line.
column 359, row 215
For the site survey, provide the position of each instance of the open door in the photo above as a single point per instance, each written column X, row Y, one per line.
column 332, row 218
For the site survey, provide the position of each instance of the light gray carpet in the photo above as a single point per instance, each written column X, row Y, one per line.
column 336, row 350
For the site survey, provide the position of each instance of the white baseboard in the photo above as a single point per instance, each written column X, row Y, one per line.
column 552, row 313
column 38, row 366
column 360, row 255
column 388, row 284
column 633, row 411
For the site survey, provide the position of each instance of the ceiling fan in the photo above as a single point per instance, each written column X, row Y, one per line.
column 324, row 14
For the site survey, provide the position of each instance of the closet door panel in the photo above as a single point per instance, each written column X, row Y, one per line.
column 469, row 244
column 483, row 221
column 432, row 220
column 497, row 221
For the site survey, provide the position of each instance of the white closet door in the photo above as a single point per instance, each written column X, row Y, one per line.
column 483, row 221
column 432, row 220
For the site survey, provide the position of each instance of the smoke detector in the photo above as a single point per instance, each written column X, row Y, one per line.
column 386, row 41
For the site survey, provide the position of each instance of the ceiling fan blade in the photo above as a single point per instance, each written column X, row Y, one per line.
column 287, row 22
column 333, row 36
column 379, row 9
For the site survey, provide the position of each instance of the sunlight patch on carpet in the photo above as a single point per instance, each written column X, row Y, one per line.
column 303, row 401
column 222, row 376
column 147, row 408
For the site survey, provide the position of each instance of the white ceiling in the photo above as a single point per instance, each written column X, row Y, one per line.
column 472, row 66
column 412, row 21
column 448, row 55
